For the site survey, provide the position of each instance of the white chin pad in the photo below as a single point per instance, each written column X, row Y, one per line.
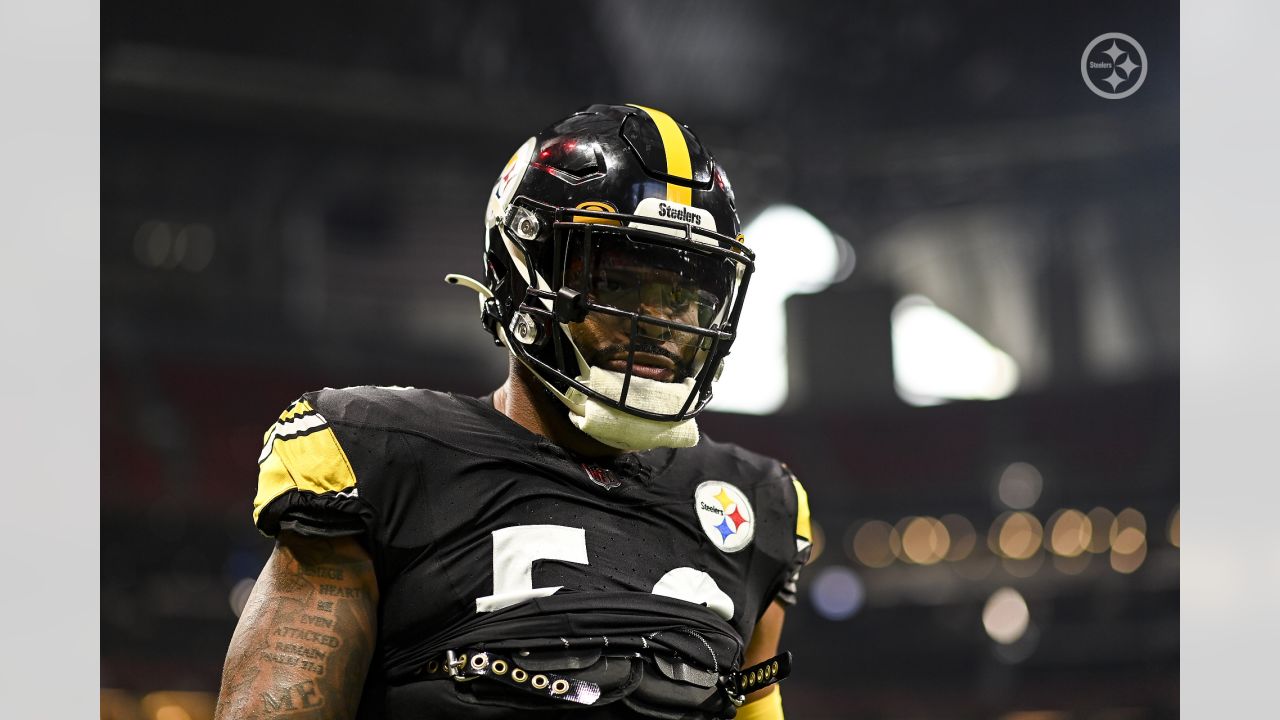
column 624, row 431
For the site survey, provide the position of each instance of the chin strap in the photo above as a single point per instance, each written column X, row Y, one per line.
column 609, row 425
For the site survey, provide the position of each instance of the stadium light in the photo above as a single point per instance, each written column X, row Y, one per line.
column 1005, row 616
column 937, row 358
column 795, row 255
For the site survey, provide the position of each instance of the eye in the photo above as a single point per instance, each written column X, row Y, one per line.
column 681, row 296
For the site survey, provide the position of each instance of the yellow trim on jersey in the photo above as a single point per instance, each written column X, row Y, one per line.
column 679, row 163
column 301, row 407
column 803, row 528
column 313, row 462
column 768, row 707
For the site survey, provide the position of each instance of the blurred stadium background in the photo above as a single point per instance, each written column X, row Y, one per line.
column 284, row 186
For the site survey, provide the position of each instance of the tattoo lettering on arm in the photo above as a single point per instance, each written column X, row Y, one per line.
column 305, row 638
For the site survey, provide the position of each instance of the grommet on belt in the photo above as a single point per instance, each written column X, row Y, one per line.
column 479, row 661
column 560, row 686
column 519, row 675
column 539, row 681
column 499, row 667
column 454, row 662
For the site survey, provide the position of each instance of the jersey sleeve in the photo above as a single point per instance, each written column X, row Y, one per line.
column 804, row 542
column 305, row 481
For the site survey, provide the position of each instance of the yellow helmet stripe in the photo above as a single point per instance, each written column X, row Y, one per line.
column 803, row 528
column 679, row 164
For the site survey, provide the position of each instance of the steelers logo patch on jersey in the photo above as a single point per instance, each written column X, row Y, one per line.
column 725, row 514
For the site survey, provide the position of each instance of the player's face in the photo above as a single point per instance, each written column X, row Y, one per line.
column 661, row 353
column 625, row 282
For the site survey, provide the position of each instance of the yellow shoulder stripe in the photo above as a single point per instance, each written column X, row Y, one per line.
column 802, row 511
column 310, row 459
column 301, row 407
column 679, row 164
column 296, row 409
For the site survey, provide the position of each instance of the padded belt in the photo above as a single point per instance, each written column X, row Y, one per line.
column 464, row 667
column 468, row 664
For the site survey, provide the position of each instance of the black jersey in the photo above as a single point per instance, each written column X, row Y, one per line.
column 484, row 534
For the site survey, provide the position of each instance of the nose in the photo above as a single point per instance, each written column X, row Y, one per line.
column 661, row 333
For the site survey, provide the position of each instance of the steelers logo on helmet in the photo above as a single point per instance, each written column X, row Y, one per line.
column 725, row 515
column 509, row 179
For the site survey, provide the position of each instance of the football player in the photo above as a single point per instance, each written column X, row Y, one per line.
column 569, row 545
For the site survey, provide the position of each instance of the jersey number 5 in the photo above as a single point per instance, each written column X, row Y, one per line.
column 515, row 548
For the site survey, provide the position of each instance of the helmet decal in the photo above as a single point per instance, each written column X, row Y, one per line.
column 596, row 206
column 508, row 180
column 667, row 210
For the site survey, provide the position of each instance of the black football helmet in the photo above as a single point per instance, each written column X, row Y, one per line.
column 612, row 240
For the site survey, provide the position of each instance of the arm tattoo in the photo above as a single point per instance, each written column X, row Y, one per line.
column 305, row 638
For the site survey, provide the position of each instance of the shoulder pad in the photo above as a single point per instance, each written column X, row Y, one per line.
column 301, row 452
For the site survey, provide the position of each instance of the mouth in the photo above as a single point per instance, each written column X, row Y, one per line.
column 647, row 365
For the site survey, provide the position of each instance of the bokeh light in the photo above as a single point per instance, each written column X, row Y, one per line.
column 1128, row 562
column 177, row 705
column 198, row 244
column 1005, row 616
column 925, row 540
column 172, row 712
column 1128, row 541
column 1128, row 538
column 1069, row 533
column 895, row 541
column 1020, row 485
column 1128, row 532
column 798, row 255
column 819, row 540
column 1100, row 520
column 152, row 243
column 161, row 245
column 837, row 592
column 1016, row 535
column 871, row 545
column 963, row 536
